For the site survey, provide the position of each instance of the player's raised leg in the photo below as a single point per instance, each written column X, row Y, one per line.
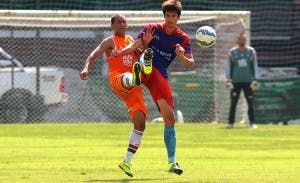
column 148, row 56
column 129, row 80
column 147, row 59
column 136, row 74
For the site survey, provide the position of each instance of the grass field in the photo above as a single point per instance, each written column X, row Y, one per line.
column 91, row 153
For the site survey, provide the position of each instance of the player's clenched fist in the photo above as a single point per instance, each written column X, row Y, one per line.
column 179, row 50
column 254, row 85
column 229, row 85
column 84, row 73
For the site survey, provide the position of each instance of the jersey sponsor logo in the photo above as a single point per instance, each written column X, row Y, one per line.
column 242, row 62
column 156, row 37
column 165, row 55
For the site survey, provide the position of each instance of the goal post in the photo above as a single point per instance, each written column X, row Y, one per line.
column 65, row 38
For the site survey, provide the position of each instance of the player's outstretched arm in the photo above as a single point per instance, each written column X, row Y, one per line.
column 129, row 49
column 98, row 51
column 143, row 41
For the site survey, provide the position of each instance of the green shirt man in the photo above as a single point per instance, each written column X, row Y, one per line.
column 242, row 65
column 241, row 75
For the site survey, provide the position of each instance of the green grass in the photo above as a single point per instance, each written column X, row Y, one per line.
column 91, row 153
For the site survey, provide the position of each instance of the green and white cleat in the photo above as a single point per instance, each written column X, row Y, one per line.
column 174, row 168
column 126, row 167
column 136, row 74
column 148, row 56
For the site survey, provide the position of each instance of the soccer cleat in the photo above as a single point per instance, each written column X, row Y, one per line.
column 136, row 74
column 253, row 125
column 230, row 126
column 174, row 168
column 126, row 167
column 148, row 56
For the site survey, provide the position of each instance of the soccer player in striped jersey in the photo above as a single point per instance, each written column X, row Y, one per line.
column 125, row 79
column 242, row 73
column 167, row 41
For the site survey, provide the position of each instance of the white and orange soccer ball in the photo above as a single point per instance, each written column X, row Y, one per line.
column 206, row 36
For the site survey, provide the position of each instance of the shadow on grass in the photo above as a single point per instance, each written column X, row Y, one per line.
column 126, row 180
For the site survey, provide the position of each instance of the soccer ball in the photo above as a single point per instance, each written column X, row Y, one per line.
column 206, row 37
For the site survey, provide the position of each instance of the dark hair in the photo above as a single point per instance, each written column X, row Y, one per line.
column 172, row 5
column 113, row 18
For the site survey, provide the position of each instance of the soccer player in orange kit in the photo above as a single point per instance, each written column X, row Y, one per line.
column 125, row 80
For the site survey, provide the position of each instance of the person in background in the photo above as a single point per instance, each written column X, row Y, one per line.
column 242, row 73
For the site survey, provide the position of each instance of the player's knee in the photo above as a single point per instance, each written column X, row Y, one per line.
column 140, row 126
column 169, row 119
column 139, row 120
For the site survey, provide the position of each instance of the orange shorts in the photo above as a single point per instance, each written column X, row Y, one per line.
column 133, row 98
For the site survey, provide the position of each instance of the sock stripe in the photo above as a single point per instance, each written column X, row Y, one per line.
column 138, row 132
column 133, row 146
column 135, row 141
column 131, row 150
